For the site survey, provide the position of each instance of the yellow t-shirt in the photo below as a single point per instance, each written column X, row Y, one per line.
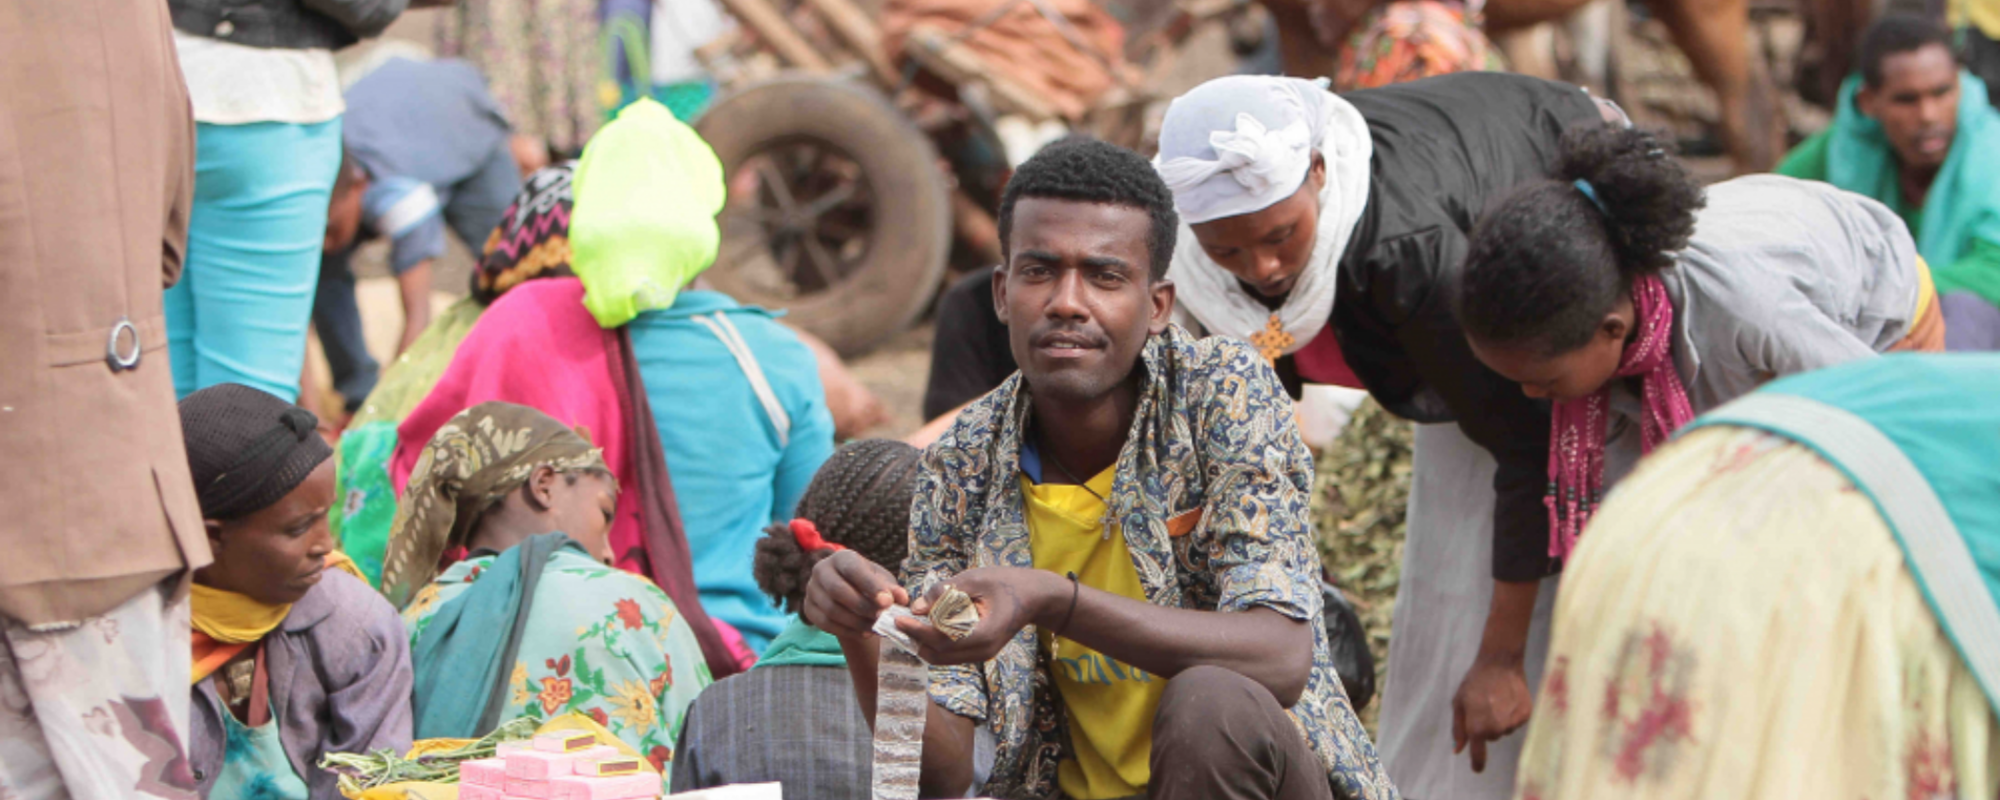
column 1111, row 706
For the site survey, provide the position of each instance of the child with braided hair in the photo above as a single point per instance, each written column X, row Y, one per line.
column 793, row 719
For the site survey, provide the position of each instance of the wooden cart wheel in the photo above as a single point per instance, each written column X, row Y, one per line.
column 838, row 211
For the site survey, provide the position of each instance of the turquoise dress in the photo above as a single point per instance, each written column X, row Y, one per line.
column 598, row 641
column 254, row 764
column 735, row 470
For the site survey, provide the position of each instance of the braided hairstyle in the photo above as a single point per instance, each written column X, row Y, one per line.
column 1547, row 263
column 859, row 499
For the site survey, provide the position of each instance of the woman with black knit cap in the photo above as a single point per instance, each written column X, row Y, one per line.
column 793, row 719
column 1632, row 301
column 293, row 657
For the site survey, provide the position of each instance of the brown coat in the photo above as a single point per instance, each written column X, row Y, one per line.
column 96, row 176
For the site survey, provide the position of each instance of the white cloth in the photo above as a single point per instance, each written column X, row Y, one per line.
column 98, row 711
column 679, row 28
column 232, row 84
column 1239, row 144
column 1440, row 616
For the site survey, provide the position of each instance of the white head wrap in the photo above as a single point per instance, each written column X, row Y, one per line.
column 1238, row 145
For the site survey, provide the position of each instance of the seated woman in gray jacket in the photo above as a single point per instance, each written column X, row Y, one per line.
column 293, row 657
column 1632, row 300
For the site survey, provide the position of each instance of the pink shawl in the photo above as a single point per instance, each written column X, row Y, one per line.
column 538, row 346
column 1576, row 438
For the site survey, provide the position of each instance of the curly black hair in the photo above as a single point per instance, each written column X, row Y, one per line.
column 1895, row 34
column 1094, row 171
column 1546, row 263
column 859, row 499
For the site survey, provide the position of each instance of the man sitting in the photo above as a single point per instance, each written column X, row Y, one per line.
column 1916, row 132
column 1164, row 477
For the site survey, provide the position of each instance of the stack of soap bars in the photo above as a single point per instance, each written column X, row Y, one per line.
column 558, row 766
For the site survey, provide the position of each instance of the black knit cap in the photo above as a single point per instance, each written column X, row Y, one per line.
column 247, row 449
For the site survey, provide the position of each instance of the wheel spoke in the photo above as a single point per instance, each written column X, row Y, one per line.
column 753, row 216
column 780, row 191
column 788, row 260
column 828, row 201
column 822, row 261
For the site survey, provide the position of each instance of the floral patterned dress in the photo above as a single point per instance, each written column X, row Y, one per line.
column 542, row 61
column 598, row 641
column 1739, row 621
column 1408, row 40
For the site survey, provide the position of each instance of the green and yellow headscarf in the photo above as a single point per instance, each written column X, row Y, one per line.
column 473, row 461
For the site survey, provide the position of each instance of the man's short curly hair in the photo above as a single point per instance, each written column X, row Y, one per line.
column 1093, row 171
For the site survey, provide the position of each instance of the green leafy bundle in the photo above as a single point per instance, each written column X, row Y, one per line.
column 1361, row 494
column 359, row 772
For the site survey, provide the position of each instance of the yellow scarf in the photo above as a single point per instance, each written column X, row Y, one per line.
column 226, row 622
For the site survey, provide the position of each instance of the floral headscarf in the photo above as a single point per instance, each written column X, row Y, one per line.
column 473, row 461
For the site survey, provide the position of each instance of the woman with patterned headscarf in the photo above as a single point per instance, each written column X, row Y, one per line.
column 533, row 622
column 712, row 414
column 532, row 241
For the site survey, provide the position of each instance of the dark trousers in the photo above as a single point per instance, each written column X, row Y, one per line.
column 1222, row 736
column 337, row 319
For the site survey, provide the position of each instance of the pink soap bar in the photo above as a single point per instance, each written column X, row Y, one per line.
column 622, row 787
column 580, row 759
column 538, row 765
column 490, row 772
column 503, row 748
column 541, row 766
column 520, row 787
column 468, row 791
column 564, row 742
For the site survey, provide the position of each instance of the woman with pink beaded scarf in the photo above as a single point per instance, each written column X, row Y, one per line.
column 1632, row 300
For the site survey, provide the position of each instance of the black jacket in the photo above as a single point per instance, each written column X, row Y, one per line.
column 1444, row 148
column 297, row 24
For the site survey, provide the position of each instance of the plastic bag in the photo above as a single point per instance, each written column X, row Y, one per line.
column 643, row 225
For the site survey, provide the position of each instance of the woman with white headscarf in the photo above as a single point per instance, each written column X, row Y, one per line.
column 1326, row 229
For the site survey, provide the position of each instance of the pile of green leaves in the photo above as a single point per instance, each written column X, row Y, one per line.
column 383, row 767
column 1360, row 495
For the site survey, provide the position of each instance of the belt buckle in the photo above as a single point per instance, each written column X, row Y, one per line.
column 122, row 362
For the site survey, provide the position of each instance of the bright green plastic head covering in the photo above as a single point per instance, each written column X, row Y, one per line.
column 647, row 192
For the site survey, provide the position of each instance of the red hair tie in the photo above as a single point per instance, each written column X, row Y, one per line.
column 807, row 535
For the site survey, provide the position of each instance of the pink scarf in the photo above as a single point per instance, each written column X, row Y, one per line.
column 1576, row 436
column 539, row 347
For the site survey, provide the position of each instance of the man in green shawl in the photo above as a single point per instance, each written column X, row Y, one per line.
column 1916, row 132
